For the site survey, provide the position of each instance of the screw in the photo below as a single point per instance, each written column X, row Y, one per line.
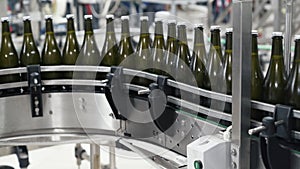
column 233, row 164
column 233, row 152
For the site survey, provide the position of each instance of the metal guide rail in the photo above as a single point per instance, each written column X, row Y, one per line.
column 171, row 83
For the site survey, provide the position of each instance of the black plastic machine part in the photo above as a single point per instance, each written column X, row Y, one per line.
column 23, row 157
column 115, row 84
column 35, row 90
column 163, row 114
column 276, row 142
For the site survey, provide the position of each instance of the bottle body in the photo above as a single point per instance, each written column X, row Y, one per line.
column 170, row 55
column 8, row 54
column 215, row 67
column 50, row 54
column 275, row 79
column 228, row 67
column 183, row 57
column 89, row 53
column 29, row 54
column 158, row 50
column 71, row 47
column 125, row 45
column 257, row 79
column 197, row 66
column 110, row 48
column 293, row 84
column 143, row 53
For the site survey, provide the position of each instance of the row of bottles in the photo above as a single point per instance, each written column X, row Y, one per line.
column 212, row 70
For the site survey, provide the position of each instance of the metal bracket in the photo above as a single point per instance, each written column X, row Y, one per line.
column 35, row 89
column 284, row 114
column 115, row 82
column 271, row 147
column 163, row 115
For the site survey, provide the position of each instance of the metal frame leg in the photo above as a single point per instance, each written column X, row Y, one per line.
column 95, row 156
column 242, row 13
column 112, row 157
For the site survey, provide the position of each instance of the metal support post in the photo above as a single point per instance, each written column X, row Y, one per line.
column 112, row 157
column 276, row 4
column 240, row 148
column 288, row 35
column 95, row 156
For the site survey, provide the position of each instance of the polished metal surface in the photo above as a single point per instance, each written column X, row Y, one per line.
column 199, row 91
column 199, row 108
column 66, row 116
column 138, row 73
column 241, row 95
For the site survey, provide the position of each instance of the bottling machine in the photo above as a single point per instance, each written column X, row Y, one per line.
column 150, row 120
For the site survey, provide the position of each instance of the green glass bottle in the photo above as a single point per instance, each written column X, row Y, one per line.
column 125, row 45
column 199, row 45
column 71, row 47
column 293, row 83
column 275, row 79
column 257, row 78
column 50, row 54
column 110, row 48
column 158, row 49
column 29, row 52
column 143, row 54
column 197, row 66
column 89, row 53
column 170, row 54
column 228, row 66
column 215, row 67
column 183, row 57
column 8, row 53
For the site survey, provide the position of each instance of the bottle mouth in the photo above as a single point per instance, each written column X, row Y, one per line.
column 70, row 16
column 229, row 30
column 26, row 18
column 124, row 17
column 48, row 17
column 110, row 16
column 172, row 22
column 215, row 27
column 88, row 16
column 144, row 18
column 254, row 32
column 297, row 37
column 277, row 34
column 200, row 25
column 4, row 19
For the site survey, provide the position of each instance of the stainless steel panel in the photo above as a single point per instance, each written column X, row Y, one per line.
column 65, row 114
column 242, row 12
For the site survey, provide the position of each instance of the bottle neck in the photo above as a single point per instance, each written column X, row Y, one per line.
column 5, row 28
column 215, row 38
column 144, row 27
column 297, row 51
column 49, row 25
column 125, row 29
column 70, row 25
column 88, row 27
column 27, row 27
column 182, row 37
column 172, row 30
column 277, row 46
column 159, row 29
column 198, row 38
column 110, row 25
column 228, row 41
column 254, row 45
